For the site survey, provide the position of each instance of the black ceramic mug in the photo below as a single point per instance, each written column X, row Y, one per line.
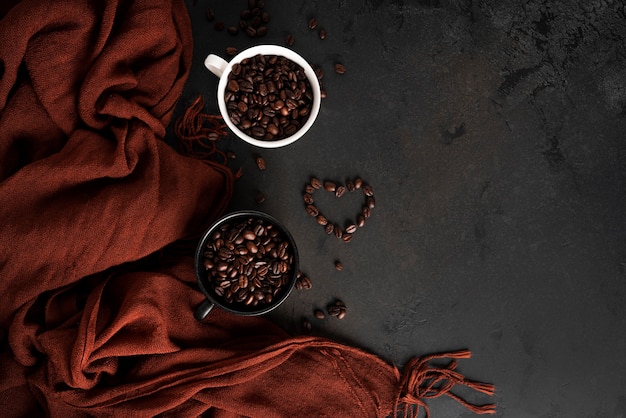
column 208, row 287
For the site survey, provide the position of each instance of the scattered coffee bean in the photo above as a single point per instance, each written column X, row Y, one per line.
column 231, row 51
column 323, row 93
column 340, row 68
column 337, row 309
column 321, row 219
column 308, row 198
column 330, row 228
column 262, row 31
column 210, row 14
column 338, row 265
column 249, row 262
column 303, row 282
column 350, row 186
column 322, row 34
column 340, row 191
column 290, row 40
column 231, row 155
column 233, row 30
column 309, row 189
column 319, row 72
column 260, row 163
column 218, row 26
column 260, row 198
column 316, row 183
column 319, row 314
column 312, row 210
column 306, row 326
column 312, row 23
column 330, row 186
column 367, row 212
column 346, row 237
column 358, row 182
column 368, row 191
column 370, row 202
column 360, row 221
column 351, row 229
column 338, row 231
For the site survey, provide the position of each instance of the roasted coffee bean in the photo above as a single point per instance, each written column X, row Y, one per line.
column 218, row 26
column 323, row 93
column 340, row 191
column 260, row 162
column 360, row 221
column 340, row 68
column 309, row 189
column 321, row 219
column 290, row 40
column 277, row 93
column 319, row 72
column 368, row 191
column 233, row 30
column 265, row 17
column 358, row 182
column 312, row 210
column 330, row 186
column 367, row 212
column 370, row 202
column 210, row 14
column 319, row 314
column 306, row 326
column 262, row 31
column 308, row 198
column 338, row 231
column 338, row 265
column 350, row 186
column 316, row 183
column 312, row 23
column 231, row 155
column 322, row 34
column 342, row 313
column 260, row 198
column 351, row 229
column 346, row 237
column 330, row 228
column 231, row 51
column 239, row 272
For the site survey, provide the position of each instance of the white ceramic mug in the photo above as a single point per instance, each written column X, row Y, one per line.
column 222, row 69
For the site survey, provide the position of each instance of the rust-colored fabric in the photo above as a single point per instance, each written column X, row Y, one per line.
column 95, row 317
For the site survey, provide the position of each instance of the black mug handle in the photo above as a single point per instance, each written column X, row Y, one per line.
column 203, row 310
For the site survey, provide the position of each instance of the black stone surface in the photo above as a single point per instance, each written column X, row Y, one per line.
column 494, row 136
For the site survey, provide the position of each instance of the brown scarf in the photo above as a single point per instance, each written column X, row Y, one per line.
column 96, row 311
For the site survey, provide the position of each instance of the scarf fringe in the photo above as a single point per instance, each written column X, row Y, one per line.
column 421, row 381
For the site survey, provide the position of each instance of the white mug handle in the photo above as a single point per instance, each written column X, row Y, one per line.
column 215, row 64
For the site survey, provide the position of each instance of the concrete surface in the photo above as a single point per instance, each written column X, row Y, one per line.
column 493, row 134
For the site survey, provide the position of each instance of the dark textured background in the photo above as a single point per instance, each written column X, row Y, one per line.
column 493, row 133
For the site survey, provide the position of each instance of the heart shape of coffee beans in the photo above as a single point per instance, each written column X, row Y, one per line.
column 339, row 190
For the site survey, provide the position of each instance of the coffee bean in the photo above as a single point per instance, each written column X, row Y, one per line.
column 330, row 186
column 239, row 271
column 319, row 72
column 290, row 40
column 210, row 14
column 319, row 314
column 231, row 155
column 312, row 23
column 340, row 191
column 350, row 186
column 233, row 30
column 323, row 93
column 218, row 26
column 316, row 183
column 321, row 219
column 360, row 221
column 312, row 210
column 342, row 313
column 340, row 68
column 368, row 191
column 276, row 91
column 260, row 162
column 260, row 198
column 262, row 31
column 370, row 202
column 338, row 231
column 351, row 229
column 231, row 51
column 308, row 198
column 309, row 189
column 330, row 228
column 358, row 182
column 322, row 34
column 338, row 265
column 265, row 17
column 346, row 237
column 366, row 212
column 306, row 326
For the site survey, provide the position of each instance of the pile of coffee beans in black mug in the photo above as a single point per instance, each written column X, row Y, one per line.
column 268, row 97
column 248, row 262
